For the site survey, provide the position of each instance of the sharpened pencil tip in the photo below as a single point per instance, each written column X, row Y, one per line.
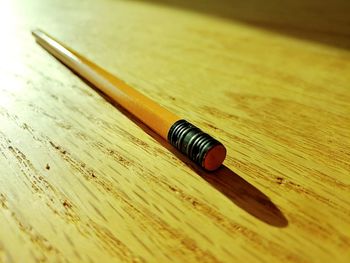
column 36, row 32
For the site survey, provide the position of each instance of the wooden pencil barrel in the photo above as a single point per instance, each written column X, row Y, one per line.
column 155, row 116
column 190, row 140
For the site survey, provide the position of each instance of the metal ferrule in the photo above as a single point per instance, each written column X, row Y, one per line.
column 191, row 141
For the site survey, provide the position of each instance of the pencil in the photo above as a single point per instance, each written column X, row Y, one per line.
column 200, row 147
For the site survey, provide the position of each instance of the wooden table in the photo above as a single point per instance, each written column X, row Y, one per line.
column 83, row 181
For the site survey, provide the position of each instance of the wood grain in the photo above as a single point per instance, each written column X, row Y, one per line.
column 83, row 181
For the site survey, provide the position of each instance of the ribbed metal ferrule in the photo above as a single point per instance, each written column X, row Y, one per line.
column 191, row 141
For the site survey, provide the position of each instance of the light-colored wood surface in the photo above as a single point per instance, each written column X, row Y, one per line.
column 82, row 181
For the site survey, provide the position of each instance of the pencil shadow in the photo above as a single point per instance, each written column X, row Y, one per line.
column 246, row 196
column 325, row 21
column 235, row 188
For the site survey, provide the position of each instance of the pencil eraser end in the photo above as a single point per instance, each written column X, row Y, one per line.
column 200, row 147
column 214, row 157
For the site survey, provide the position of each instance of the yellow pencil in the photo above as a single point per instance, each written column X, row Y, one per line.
column 190, row 140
